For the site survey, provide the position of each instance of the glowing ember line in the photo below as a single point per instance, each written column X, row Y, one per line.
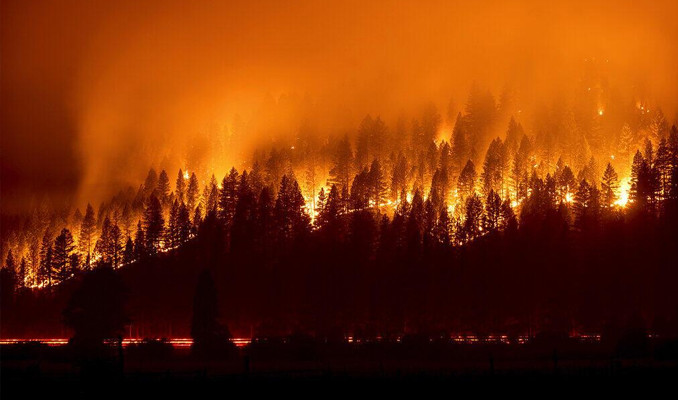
column 175, row 342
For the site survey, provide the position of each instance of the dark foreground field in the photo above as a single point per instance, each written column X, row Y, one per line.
column 32, row 370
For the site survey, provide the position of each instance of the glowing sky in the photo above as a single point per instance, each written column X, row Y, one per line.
column 93, row 93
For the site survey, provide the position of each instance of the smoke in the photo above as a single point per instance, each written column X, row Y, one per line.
column 137, row 84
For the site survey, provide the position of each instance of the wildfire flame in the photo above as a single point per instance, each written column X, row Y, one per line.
column 624, row 189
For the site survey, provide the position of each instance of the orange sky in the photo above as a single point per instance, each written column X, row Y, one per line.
column 96, row 92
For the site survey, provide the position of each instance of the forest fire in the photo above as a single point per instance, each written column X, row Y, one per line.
column 624, row 189
column 265, row 184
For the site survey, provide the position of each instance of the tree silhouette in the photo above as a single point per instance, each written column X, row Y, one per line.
column 377, row 184
column 340, row 174
column 228, row 198
column 61, row 256
column 641, row 192
column 207, row 333
column 192, row 192
column 565, row 184
column 467, row 181
column 163, row 188
column 211, row 196
column 609, row 185
column 473, row 217
column 586, row 206
column 492, row 219
column 8, row 281
column 128, row 253
column 45, row 268
column 180, row 187
column 140, row 242
column 21, row 274
column 154, row 225
column 183, row 224
column 399, row 177
column 97, row 308
column 290, row 211
column 172, row 231
column 151, row 183
column 87, row 229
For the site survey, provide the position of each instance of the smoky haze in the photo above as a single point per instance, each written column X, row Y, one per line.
column 95, row 93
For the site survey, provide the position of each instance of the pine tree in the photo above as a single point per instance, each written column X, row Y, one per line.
column 103, row 244
column 115, row 245
column 172, row 232
column 473, row 217
column 245, row 214
column 360, row 191
column 211, row 196
column 140, row 250
column 439, row 188
column 521, row 164
column 128, row 253
column 340, row 174
column 609, row 186
column 87, row 229
column 514, row 133
column 663, row 166
column 197, row 219
column 228, row 198
column 151, row 182
column 154, row 225
column 163, row 188
column 126, row 220
column 45, row 269
column 430, row 122
column 430, row 217
column 331, row 210
column 492, row 219
column 276, row 166
column 649, row 153
column 399, row 177
column 320, row 206
column 565, row 184
column 311, row 177
column 441, row 230
column 8, row 278
column 22, row 274
column 494, row 168
column 508, row 217
column 589, row 172
column 265, row 220
column 641, row 183
column 192, row 192
column 415, row 224
column 377, row 184
column 467, row 181
column 290, row 210
column 10, row 263
column 63, row 249
column 183, row 224
column 586, row 206
column 658, row 128
column 480, row 116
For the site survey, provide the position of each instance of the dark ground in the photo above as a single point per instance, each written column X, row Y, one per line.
column 38, row 371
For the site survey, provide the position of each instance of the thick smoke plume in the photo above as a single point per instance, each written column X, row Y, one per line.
column 93, row 94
